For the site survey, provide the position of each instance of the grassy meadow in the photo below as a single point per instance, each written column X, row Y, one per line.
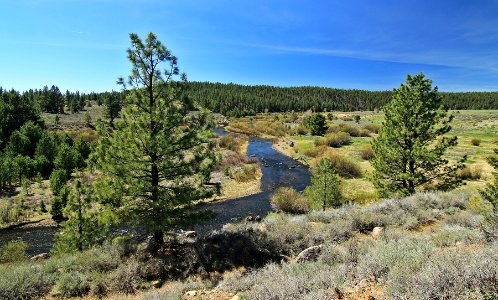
column 477, row 132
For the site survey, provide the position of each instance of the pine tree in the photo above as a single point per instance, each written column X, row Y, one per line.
column 491, row 191
column 324, row 190
column 158, row 153
column 411, row 143
column 316, row 124
column 82, row 228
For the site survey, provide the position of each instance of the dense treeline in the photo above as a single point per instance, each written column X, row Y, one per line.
column 52, row 100
column 238, row 100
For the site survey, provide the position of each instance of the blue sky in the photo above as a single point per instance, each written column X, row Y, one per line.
column 362, row 44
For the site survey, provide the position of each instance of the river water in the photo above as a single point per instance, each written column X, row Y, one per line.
column 278, row 170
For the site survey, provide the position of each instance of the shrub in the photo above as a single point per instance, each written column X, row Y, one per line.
column 126, row 278
column 247, row 173
column 366, row 152
column 316, row 151
column 451, row 235
column 473, row 172
column 450, row 275
column 365, row 132
column 401, row 256
column 335, row 140
column 290, row 201
column 289, row 281
column 23, row 282
column 475, row 142
column 14, row 251
column 347, row 128
column 345, row 166
column 372, row 127
column 477, row 205
column 74, row 284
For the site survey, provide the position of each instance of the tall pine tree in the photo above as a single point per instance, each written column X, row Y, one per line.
column 411, row 143
column 158, row 153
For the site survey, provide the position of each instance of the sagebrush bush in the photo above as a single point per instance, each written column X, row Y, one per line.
column 290, row 238
column 24, row 281
column 289, row 200
column 385, row 256
column 451, row 235
column 126, row 278
column 290, row 281
column 74, row 284
column 451, row 274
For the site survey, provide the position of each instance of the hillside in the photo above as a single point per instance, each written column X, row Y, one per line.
column 238, row 100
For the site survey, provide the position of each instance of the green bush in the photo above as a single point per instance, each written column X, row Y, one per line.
column 475, row 142
column 290, row 201
column 372, row 127
column 14, row 251
column 247, row 173
column 345, row 166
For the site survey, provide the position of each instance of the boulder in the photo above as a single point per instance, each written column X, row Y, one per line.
column 257, row 218
column 249, row 219
column 377, row 231
column 191, row 293
column 41, row 256
column 309, row 254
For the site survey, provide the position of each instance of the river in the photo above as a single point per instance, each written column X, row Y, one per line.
column 278, row 170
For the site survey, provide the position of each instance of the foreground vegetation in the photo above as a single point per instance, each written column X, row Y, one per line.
column 426, row 246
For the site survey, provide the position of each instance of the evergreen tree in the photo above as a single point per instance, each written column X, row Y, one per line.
column 410, row 146
column 82, row 228
column 112, row 102
column 324, row 190
column 158, row 152
column 316, row 124
column 491, row 191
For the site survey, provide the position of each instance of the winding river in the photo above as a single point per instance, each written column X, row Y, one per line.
column 278, row 170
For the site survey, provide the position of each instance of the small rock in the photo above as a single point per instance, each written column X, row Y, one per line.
column 257, row 218
column 309, row 254
column 234, row 219
column 191, row 293
column 249, row 219
column 377, row 231
column 190, row 234
column 41, row 256
column 156, row 283
column 371, row 297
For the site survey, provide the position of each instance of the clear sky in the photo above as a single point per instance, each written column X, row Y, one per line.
column 361, row 44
